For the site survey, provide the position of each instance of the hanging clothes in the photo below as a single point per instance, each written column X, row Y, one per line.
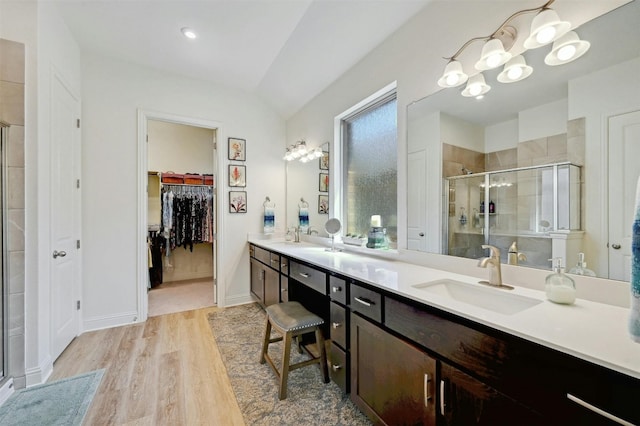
column 187, row 215
column 156, row 244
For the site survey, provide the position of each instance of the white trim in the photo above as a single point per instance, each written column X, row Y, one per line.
column 218, row 162
column 109, row 321
column 6, row 390
column 336, row 161
column 39, row 374
column 239, row 300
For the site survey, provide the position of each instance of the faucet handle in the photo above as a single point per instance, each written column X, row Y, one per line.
column 495, row 251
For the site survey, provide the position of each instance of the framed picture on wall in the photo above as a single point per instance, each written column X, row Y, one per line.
column 323, row 182
column 324, row 161
column 237, row 175
column 237, row 201
column 237, row 149
column 323, row 204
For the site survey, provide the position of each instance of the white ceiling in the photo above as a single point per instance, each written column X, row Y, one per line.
column 285, row 51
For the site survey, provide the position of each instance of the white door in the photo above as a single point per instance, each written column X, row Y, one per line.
column 65, row 216
column 624, row 169
column 416, row 201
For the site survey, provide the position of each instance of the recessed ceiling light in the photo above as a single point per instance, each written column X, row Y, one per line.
column 189, row 33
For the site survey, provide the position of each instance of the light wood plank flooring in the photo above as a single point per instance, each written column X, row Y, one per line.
column 167, row 371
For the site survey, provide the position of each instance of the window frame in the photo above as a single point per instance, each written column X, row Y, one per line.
column 337, row 206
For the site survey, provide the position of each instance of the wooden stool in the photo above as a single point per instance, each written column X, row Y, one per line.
column 291, row 319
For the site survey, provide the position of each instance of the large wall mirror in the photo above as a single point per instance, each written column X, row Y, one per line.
column 586, row 113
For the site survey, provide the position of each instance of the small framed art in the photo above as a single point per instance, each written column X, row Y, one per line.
column 324, row 161
column 237, row 201
column 323, row 204
column 237, row 175
column 323, row 182
column 237, row 149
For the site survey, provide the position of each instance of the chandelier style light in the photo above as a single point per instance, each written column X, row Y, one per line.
column 546, row 28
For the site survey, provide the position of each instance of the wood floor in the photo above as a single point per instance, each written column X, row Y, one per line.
column 167, row 371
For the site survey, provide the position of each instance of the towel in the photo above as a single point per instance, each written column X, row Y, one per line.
column 634, row 314
column 303, row 217
column 269, row 220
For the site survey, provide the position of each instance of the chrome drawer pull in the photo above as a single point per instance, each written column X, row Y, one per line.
column 427, row 396
column 442, row 404
column 303, row 274
column 336, row 367
column 364, row 301
column 283, row 265
column 335, row 324
column 336, row 289
column 598, row 410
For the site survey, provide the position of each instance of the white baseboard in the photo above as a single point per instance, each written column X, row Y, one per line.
column 6, row 390
column 40, row 374
column 109, row 321
column 237, row 300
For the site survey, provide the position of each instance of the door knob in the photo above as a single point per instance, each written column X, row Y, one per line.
column 421, row 234
column 60, row 253
column 616, row 246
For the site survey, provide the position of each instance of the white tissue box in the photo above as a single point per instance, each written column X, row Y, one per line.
column 354, row 241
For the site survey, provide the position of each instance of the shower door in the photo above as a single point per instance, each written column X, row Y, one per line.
column 4, row 128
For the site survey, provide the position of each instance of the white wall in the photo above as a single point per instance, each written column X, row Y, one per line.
column 455, row 131
column 543, row 121
column 112, row 94
column 501, row 136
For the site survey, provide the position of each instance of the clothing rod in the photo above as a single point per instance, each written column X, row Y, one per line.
column 186, row 184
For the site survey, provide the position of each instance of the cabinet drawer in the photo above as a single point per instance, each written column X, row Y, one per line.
column 274, row 261
column 262, row 255
column 309, row 276
column 338, row 325
column 284, row 265
column 338, row 289
column 366, row 302
column 338, row 367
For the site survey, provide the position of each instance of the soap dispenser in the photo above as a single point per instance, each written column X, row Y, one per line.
column 558, row 286
column 581, row 267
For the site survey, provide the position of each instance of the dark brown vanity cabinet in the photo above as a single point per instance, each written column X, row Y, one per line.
column 339, row 355
column 392, row 381
column 266, row 275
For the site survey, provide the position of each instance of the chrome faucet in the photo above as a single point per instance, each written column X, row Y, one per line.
column 493, row 263
column 311, row 231
column 296, row 234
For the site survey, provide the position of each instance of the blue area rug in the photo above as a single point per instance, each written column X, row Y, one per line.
column 64, row 402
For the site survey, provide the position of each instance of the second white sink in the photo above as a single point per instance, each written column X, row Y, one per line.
column 495, row 300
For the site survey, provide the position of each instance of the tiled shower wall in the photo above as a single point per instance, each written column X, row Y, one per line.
column 12, row 85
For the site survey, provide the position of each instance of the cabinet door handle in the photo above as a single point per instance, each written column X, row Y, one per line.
column 442, row 404
column 336, row 289
column 283, row 265
column 335, row 324
column 421, row 234
column 427, row 394
column 616, row 246
column 597, row 410
column 365, row 302
column 336, row 367
column 304, row 274
column 283, row 290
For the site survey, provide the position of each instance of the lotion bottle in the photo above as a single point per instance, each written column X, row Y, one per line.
column 559, row 287
column 581, row 267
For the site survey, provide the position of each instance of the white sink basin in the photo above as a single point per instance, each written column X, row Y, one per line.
column 492, row 299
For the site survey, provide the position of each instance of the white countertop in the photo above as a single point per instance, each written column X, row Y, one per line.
column 592, row 331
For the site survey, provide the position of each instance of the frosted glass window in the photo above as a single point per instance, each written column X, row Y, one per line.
column 370, row 167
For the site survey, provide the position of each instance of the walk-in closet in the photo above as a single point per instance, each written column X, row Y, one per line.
column 180, row 217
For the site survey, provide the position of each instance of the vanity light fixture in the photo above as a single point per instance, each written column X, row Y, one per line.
column 476, row 86
column 300, row 151
column 546, row 27
column 567, row 48
column 515, row 70
column 189, row 33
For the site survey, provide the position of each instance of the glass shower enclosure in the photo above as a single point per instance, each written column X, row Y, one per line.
column 528, row 205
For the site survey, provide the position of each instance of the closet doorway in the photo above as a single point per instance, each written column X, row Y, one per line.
column 181, row 217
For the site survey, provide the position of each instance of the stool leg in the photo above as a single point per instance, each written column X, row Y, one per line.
column 265, row 341
column 323, row 355
column 284, row 372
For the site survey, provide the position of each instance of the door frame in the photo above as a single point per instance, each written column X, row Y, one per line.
column 141, row 240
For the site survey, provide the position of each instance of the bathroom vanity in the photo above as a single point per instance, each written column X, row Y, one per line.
column 416, row 345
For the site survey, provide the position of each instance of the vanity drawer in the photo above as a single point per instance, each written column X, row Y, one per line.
column 338, row 325
column 274, row 261
column 262, row 255
column 338, row 289
column 338, row 367
column 284, row 288
column 366, row 302
column 284, row 265
column 308, row 276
